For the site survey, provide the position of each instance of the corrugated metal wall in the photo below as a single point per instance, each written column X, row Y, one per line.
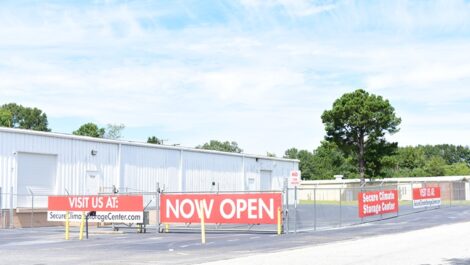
column 143, row 167
column 136, row 167
column 74, row 159
column 200, row 170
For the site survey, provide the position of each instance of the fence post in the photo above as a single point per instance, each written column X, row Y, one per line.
column 411, row 198
column 1, row 209
column 32, row 207
column 157, row 201
column 340, row 213
column 314, row 208
column 82, row 224
column 286, row 201
column 399, row 197
column 203, row 225
column 284, row 206
column 67, row 225
column 381, row 189
column 424, row 185
column 450, row 194
column 287, row 209
column 295, row 209
column 11, row 208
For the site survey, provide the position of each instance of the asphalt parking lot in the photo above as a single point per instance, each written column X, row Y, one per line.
column 47, row 245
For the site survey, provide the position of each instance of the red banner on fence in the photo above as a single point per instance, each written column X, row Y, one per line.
column 119, row 209
column 426, row 197
column 95, row 203
column 377, row 202
column 253, row 208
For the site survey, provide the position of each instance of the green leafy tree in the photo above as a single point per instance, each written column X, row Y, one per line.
column 435, row 166
column 357, row 122
column 5, row 118
column 328, row 160
column 428, row 160
column 24, row 117
column 221, row 146
column 457, row 169
column 154, row 140
column 411, row 157
column 323, row 163
column 90, row 129
column 306, row 164
column 269, row 154
column 291, row 153
column 450, row 153
column 114, row 131
column 376, row 154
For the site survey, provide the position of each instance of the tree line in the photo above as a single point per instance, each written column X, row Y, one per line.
column 410, row 161
column 355, row 143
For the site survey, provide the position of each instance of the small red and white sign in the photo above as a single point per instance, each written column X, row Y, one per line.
column 119, row 209
column 295, row 177
column 426, row 197
column 233, row 208
column 377, row 202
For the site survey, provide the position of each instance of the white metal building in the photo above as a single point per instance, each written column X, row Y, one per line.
column 52, row 163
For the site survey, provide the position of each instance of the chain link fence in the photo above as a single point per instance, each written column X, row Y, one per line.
column 304, row 209
column 318, row 208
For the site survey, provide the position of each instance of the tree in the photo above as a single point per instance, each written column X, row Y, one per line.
column 5, row 118
column 358, row 121
column 154, row 140
column 269, row 154
column 221, row 146
column 306, row 164
column 328, row 160
column 24, row 117
column 376, row 155
column 90, row 129
column 411, row 157
column 435, row 166
column 114, row 131
column 291, row 153
column 457, row 169
column 450, row 153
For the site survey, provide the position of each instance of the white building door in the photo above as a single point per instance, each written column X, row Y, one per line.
column 35, row 172
column 93, row 182
column 265, row 180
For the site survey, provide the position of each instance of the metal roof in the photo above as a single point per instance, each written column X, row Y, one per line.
column 135, row 143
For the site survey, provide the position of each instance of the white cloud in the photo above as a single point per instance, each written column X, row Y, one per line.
column 265, row 88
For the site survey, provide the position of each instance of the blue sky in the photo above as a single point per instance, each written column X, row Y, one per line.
column 257, row 72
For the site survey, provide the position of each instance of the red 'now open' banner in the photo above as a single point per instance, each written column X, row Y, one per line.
column 377, row 202
column 253, row 208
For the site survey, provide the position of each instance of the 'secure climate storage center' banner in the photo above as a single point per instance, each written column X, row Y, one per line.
column 377, row 202
column 116, row 209
column 252, row 208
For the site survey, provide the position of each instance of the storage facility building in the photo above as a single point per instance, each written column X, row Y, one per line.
column 58, row 164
